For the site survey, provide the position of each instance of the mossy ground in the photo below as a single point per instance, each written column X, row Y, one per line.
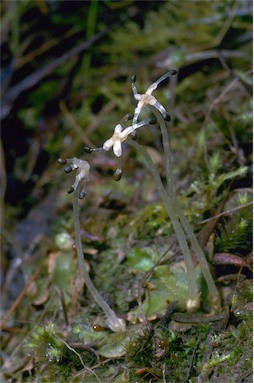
column 129, row 244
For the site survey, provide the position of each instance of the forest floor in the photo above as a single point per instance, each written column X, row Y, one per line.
column 66, row 85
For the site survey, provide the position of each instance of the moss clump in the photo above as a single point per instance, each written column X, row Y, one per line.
column 162, row 352
column 236, row 234
column 52, row 358
column 231, row 359
column 198, row 354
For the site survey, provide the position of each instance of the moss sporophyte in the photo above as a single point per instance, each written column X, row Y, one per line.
column 182, row 228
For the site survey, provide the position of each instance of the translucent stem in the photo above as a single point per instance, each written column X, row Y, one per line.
column 115, row 324
column 191, row 278
column 185, row 224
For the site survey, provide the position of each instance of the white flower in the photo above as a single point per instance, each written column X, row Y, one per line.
column 83, row 173
column 119, row 136
column 148, row 99
column 116, row 140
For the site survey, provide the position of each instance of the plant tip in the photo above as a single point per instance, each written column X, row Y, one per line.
column 62, row 161
column 68, row 169
column 70, row 190
column 172, row 72
column 166, row 116
column 82, row 195
column 118, row 174
column 87, row 149
column 133, row 78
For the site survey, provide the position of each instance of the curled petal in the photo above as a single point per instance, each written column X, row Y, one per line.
column 162, row 78
column 126, row 132
column 137, row 113
column 118, row 128
column 159, row 107
column 117, row 148
column 108, row 144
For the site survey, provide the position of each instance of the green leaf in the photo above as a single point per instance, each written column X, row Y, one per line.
column 141, row 259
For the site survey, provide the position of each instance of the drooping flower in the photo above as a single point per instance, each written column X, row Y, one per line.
column 83, row 173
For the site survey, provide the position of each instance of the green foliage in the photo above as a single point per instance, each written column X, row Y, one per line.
column 110, row 268
column 126, row 44
column 236, row 233
column 142, row 259
column 150, row 220
column 166, row 286
column 242, row 304
column 139, row 350
column 163, row 349
column 206, row 190
column 50, row 354
column 233, row 353
column 211, row 135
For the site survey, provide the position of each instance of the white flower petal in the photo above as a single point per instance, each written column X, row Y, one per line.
column 118, row 128
column 108, row 144
column 126, row 132
column 117, row 148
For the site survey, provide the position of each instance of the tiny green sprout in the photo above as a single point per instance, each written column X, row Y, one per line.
column 148, row 99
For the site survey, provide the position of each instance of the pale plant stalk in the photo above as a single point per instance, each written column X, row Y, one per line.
column 115, row 324
column 193, row 302
column 213, row 292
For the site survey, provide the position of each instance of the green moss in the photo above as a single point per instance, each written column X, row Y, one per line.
column 152, row 219
column 236, row 232
column 162, row 349
column 233, row 352
column 52, row 358
column 210, row 134
column 182, row 354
